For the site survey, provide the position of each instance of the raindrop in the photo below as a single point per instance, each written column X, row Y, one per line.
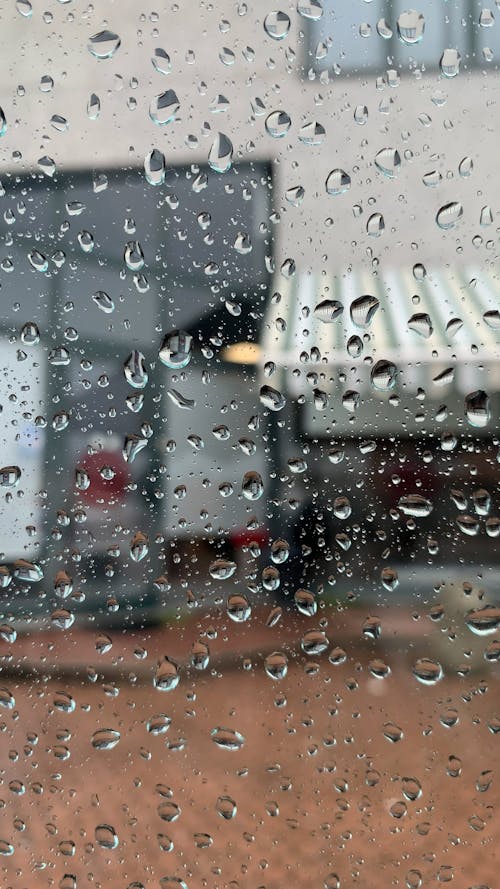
column 154, row 167
column 449, row 214
column 415, row 505
column 278, row 124
column 252, row 486
column 388, row 161
column 277, row 25
column 104, row 44
column 139, row 546
column 222, row 569
column 312, row 133
column 220, row 156
column 228, row 739
column 175, row 352
column 103, row 301
column 450, row 62
column 161, row 61
column 200, row 655
column 314, row 642
column 271, row 398
column 383, row 375
column 328, row 310
column 337, row 182
column 363, row 309
column 411, row 26
column 276, row 665
column 421, row 324
column 166, row 677
column 105, row 836
column 105, row 739
column 427, row 671
column 477, row 409
column 226, row 807
column 135, row 371
column 306, row 603
column 158, row 725
column 238, row 607
column 483, row 621
column 9, row 476
column 164, row 107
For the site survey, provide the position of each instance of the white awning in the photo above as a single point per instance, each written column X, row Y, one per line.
column 456, row 310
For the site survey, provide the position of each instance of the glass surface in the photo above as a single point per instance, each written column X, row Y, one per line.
column 249, row 391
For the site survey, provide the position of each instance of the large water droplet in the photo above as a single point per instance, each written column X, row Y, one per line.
column 220, row 156
column 276, row 665
column 278, row 124
column 363, row 310
column 104, row 44
column 483, row 621
column 238, row 607
column 167, row 676
column 271, row 398
column 226, row 807
column 388, row 161
column 252, row 486
column 161, row 61
column 449, row 214
column 105, row 739
column 450, row 62
column 139, row 546
column 421, row 324
column 135, row 371
column 411, row 26
column 427, row 671
column 477, row 408
column 415, row 505
column 106, row 836
column 222, row 569
column 9, row 476
column 175, row 351
column 154, row 167
column 277, row 25
column 227, row 738
column 164, row 107
column 383, row 375
column 328, row 310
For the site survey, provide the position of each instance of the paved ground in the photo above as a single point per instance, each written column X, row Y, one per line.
column 319, row 788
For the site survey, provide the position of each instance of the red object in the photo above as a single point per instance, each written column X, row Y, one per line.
column 243, row 537
column 112, row 490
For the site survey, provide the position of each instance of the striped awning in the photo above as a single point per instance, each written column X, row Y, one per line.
column 440, row 330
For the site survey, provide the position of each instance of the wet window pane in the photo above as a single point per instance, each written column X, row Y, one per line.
column 249, row 391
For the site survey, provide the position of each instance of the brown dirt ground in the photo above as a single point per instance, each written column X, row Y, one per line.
column 309, row 758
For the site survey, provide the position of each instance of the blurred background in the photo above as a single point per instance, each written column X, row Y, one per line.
column 250, row 380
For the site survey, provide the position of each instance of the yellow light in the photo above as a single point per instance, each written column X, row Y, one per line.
column 242, row 353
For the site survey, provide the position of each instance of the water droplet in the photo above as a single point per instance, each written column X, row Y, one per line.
column 415, row 505
column 306, row 603
column 167, row 676
column 164, row 107
column 384, row 30
column 103, row 301
column 9, row 476
column 38, row 261
column 271, row 398
column 389, row 577
column 486, row 18
column 226, row 807
column 222, row 569
column 104, row 44
column 427, row 671
column 175, row 351
column 105, row 836
column 133, row 445
column 337, row 182
column 169, row 811
column 135, row 371
column 393, row 732
column 154, row 167
column 363, row 310
column 227, row 738
column 238, row 607
column 139, row 546
column 388, row 161
column 383, row 375
column 328, row 310
column 312, row 133
column 252, row 486
column 63, row 585
column 449, row 214
column 200, row 655
column 27, row 572
column 375, row 225
column 310, row 9
column 8, row 633
column 161, row 61
column 450, row 62
column 185, row 404
column 220, row 156
column 314, row 642
column 5, row 847
column 24, row 8
column 158, row 725
column 105, row 739
column 133, row 256
column 483, row 621
column 277, row 124
column 411, row 27
column 277, row 25
column 477, row 408
column 7, row 699
column 62, row 619
column 421, row 324
column 276, row 665
column 93, row 107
